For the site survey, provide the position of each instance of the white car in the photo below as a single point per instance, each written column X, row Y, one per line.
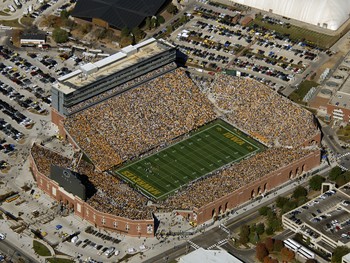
column 74, row 239
column 2, row 236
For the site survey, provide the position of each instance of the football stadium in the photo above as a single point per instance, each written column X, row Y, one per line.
column 148, row 140
column 206, row 150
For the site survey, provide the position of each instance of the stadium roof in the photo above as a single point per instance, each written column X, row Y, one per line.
column 118, row 13
column 330, row 14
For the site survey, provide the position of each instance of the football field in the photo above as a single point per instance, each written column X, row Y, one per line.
column 204, row 151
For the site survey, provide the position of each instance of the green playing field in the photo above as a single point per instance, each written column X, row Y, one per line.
column 204, row 151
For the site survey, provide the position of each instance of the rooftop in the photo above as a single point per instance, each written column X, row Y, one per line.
column 209, row 256
column 325, row 218
column 118, row 13
column 91, row 72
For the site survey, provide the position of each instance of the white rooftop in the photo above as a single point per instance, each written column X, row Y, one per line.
column 330, row 14
column 209, row 256
column 128, row 56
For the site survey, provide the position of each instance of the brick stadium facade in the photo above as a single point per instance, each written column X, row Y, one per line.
column 263, row 185
column 134, row 228
column 218, row 208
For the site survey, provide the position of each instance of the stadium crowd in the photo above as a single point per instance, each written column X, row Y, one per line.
column 261, row 112
column 127, row 125
column 112, row 196
column 120, row 88
column 231, row 178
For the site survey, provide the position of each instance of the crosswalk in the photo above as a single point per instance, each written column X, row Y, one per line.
column 195, row 246
column 224, row 228
column 219, row 243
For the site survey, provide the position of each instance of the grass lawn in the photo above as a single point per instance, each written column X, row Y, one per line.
column 299, row 33
column 11, row 23
column 27, row 20
column 41, row 249
column 59, row 260
column 204, row 151
column 344, row 133
column 304, row 87
column 2, row 13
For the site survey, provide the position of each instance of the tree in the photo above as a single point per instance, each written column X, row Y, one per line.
column 270, row 260
column 171, row 9
column 288, row 206
column 278, row 245
column 154, row 22
column 347, row 176
column 269, row 243
column 299, row 192
column 85, row 28
column 260, row 228
column 59, row 35
column 261, row 252
column 137, row 33
column 298, row 237
column 338, row 253
column 269, row 231
column 315, row 182
column 160, row 19
column 125, row 32
column 169, row 29
column 334, row 173
column 263, row 211
column 302, row 200
column 148, row 23
column 287, row 254
column 65, row 14
column 125, row 41
column 280, row 201
column 341, row 180
column 244, row 234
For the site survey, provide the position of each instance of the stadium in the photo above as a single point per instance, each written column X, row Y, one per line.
column 327, row 14
column 152, row 139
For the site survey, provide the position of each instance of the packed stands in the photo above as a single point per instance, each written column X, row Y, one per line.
column 233, row 177
column 139, row 119
column 261, row 112
column 112, row 196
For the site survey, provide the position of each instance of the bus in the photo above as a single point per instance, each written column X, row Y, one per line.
column 79, row 48
column 95, row 50
column 103, row 55
column 291, row 244
column 12, row 198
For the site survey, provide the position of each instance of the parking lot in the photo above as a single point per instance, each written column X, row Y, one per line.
column 14, row 9
column 328, row 214
column 213, row 39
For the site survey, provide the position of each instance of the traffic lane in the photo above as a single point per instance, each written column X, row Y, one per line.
column 15, row 253
column 329, row 139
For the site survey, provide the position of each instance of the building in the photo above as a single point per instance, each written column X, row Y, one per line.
column 32, row 39
column 346, row 258
column 147, row 70
column 93, row 79
column 61, row 185
column 209, row 256
column 117, row 13
column 329, row 14
column 323, row 221
column 338, row 106
column 333, row 98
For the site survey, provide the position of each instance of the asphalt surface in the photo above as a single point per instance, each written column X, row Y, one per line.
column 14, row 254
